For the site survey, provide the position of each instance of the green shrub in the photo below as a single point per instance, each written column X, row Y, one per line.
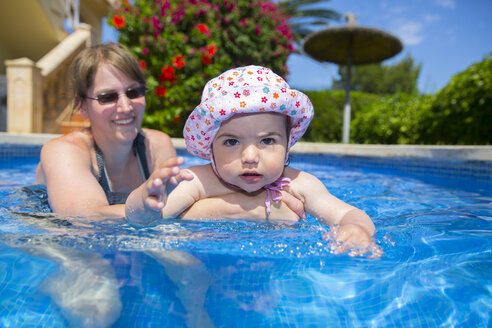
column 462, row 110
column 327, row 123
column 395, row 119
column 184, row 43
column 460, row 113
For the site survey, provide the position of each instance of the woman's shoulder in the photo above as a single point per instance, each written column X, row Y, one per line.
column 159, row 147
column 157, row 140
column 72, row 147
column 155, row 136
column 78, row 141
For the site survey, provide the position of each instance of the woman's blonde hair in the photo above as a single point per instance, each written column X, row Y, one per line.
column 87, row 62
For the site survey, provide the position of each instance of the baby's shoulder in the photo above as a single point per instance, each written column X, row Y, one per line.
column 201, row 170
column 298, row 176
column 301, row 182
column 203, row 174
column 207, row 181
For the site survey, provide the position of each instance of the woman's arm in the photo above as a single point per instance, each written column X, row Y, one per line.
column 67, row 169
column 72, row 187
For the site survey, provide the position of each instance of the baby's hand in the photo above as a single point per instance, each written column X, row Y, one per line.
column 156, row 196
column 354, row 239
column 167, row 175
column 144, row 205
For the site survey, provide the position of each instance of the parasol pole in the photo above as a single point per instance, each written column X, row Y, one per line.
column 346, row 106
column 338, row 45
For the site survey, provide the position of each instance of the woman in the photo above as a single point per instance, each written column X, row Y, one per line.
column 91, row 172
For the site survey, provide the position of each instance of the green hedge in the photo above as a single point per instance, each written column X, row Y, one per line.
column 180, row 45
column 328, row 113
column 460, row 113
column 395, row 119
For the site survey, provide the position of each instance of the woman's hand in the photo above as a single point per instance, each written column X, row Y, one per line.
column 295, row 204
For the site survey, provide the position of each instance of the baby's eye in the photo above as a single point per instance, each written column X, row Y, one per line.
column 268, row 141
column 231, row 142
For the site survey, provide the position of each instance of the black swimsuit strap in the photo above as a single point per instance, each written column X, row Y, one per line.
column 138, row 148
column 103, row 181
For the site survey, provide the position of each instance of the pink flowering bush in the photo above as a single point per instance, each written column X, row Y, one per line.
column 181, row 44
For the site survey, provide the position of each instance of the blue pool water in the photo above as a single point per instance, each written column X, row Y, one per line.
column 434, row 226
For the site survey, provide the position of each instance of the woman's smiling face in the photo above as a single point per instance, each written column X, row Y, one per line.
column 118, row 120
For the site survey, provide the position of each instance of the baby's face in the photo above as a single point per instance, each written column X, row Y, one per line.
column 249, row 150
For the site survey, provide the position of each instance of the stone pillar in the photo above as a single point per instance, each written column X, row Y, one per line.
column 24, row 96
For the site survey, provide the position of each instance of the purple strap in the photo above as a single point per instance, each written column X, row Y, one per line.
column 273, row 191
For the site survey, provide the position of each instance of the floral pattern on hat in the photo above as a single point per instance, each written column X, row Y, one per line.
column 244, row 90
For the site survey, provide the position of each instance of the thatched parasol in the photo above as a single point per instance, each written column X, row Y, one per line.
column 351, row 45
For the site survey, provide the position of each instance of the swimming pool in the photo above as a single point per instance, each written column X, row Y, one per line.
column 434, row 226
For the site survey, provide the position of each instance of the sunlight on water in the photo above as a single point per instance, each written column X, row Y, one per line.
column 435, row 270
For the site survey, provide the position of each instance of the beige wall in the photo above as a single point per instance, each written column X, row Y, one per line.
column 34, row 42
column 31, row 28
column 25, row 31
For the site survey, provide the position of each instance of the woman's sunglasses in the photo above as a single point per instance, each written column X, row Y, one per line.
column 112, row 97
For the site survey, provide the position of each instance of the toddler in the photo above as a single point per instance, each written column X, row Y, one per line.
column 245, row 125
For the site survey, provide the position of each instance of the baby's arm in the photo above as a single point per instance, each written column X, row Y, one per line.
column 212, row 199
column 183, row 196
column 204, row 185
column 355, row 227
column 144, row 204
column 202, row 195
column 239, row 205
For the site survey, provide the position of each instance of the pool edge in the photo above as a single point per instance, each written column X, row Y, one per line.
column 477, row 153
